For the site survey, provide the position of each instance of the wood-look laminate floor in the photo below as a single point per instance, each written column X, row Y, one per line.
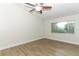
column 43, row 47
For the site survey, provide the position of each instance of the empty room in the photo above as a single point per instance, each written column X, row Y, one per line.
column 39, row 29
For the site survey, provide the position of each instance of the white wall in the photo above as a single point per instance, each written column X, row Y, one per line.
column 18, row 26
column 71, row 38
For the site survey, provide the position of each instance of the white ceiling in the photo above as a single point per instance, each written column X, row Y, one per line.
column 60, row 10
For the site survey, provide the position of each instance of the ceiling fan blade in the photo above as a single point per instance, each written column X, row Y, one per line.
column 46, row 7
column 30, row 4
column 32, row 10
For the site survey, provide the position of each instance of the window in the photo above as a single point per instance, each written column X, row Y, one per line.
column 63, row 27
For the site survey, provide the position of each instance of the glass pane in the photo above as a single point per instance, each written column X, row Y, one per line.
column 63, row 27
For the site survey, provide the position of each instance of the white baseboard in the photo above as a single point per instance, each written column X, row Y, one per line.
column 65, row 41
column 14, row 45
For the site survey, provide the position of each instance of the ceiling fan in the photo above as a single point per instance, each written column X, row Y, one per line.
column 39, row 7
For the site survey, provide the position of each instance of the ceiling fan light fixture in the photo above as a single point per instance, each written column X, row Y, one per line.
column 38, row 8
